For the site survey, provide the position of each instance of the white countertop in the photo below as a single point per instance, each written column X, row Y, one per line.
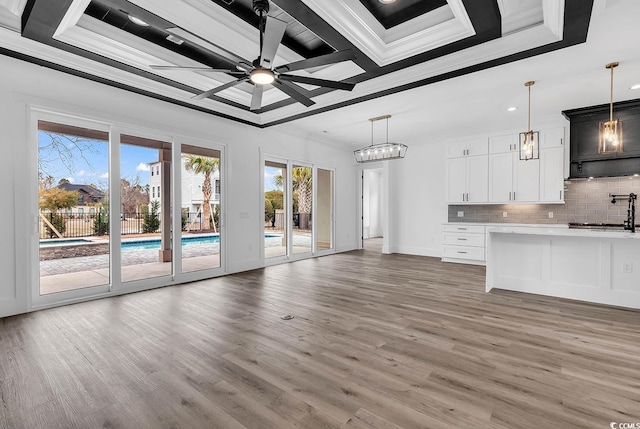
column 560, row 230
column 498, row 224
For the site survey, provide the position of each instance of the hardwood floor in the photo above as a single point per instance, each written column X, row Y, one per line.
column 378, row 341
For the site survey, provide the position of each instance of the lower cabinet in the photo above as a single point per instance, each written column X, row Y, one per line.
column 464, row 243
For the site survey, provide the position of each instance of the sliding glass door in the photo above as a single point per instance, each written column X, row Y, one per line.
column 276, row 209
column 200, row 208
column 302, row 203
column 145, row 208
column 298, row 210
column 72, row 207
column 324, row 210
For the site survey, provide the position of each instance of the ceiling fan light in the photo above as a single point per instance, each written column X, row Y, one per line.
column 262, row 76
column 138, row 21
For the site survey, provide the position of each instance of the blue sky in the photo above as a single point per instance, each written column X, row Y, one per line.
column 91, row 166
column 269, row 174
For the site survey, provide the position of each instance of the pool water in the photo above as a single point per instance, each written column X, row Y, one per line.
column 186, row 241
column 148, row 244
column 49, row 243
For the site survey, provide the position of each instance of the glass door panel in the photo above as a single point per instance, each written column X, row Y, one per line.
column 324, row 210
column 200, row 208
column 302, row 186
column 73, row 191
column 145, row 198
column 276, row 217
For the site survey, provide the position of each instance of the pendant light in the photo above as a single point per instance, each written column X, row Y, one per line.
column 529, row 140
column 380, row 151
column 610, row 135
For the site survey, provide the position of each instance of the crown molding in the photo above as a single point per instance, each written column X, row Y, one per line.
column 384, row 47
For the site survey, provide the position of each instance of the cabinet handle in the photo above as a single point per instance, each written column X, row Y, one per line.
column 560, row 194
column 461, row 229
column 509, row 196
column 460, row 251
column 514, row 195
column 561, row 141
column 462, row 239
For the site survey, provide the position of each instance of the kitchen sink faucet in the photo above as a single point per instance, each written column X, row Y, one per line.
column 630, row 223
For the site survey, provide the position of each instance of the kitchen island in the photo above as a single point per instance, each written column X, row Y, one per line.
column 587, row 265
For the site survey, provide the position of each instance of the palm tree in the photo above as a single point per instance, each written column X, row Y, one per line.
column 204, row 165
column 301, row 181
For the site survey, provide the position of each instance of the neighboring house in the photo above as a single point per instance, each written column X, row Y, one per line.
column 191, row 186
column 88, row 198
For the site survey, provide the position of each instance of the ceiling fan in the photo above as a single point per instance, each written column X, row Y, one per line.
column 261, row 72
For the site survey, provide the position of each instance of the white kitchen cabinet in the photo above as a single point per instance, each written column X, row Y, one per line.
column 467, row 179
column 552, row 138
column 512, row 180
column 552, row 175
column 467, row 148
column 504, row 143
column 464, row 243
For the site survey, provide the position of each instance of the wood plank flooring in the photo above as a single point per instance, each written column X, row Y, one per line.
column 378, row 341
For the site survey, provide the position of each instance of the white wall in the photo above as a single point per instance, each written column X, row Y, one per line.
column 24, row 85
column 372, row 203
column 417, row 200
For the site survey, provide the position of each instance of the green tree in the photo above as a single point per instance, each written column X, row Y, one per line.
column 269, row 211
column 301, row 181
column 207, row 166
column 276, row 197
column 101, row 220
column 151, row 220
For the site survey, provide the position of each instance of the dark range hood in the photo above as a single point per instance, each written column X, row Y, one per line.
column 585, row 159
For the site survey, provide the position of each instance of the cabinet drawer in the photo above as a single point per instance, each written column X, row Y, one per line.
column 464, row 239
column 479, row 229
column 464, row 252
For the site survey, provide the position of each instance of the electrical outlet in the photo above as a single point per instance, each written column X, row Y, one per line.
column 461, row 214
column 550, row 215
column 504, row 214
column 627, row 267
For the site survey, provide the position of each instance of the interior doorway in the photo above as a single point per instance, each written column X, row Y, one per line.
column 372, row 209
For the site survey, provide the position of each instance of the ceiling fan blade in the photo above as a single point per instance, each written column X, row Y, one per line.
column 256, row 98
column 217, row 89
column 292, row 91
column 273, row 33
column 322, row 60
column 318, row 82
column 194, row 68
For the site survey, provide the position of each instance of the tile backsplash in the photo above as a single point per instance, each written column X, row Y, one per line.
column 586, row 200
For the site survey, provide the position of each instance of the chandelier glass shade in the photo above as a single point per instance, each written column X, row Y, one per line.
column 529, row 140
column 610, row 132
column 380, row 151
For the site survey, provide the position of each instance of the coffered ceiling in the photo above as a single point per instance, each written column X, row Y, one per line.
column 392, row 47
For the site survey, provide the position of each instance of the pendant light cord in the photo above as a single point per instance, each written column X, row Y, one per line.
column 529, row 111
column 611, row 97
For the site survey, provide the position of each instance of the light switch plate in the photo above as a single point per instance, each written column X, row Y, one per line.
column 460, row 214
column 504, row 214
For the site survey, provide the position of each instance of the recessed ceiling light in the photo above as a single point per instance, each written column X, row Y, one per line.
column 636, row 86
column 138, row 21
column 387, row 1
column 512, row 109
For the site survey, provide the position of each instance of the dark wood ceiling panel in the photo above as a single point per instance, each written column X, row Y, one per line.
column 313, row 35
column 400, row 11
column 298, row 38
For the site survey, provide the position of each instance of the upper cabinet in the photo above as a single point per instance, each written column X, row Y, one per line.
column 496, row 175
column 467, row 148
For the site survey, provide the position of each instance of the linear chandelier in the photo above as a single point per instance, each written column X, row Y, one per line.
column 380, row 151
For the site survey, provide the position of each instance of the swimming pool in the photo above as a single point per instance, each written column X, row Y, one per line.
column 150, row 244
column 49, row 243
